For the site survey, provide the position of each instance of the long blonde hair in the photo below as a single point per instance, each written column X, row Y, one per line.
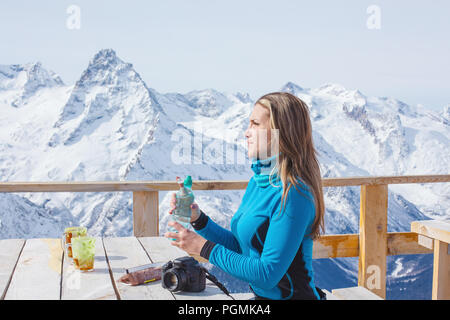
column 298, row 156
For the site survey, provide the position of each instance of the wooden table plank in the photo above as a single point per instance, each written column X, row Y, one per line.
column 160, row 250
column 93, row 285
column 439, row 230
column 125, row 253
column 38, row 271
column 9, row 255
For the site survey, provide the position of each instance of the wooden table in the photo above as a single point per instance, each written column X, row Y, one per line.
column 435, row 235
column 37, row 269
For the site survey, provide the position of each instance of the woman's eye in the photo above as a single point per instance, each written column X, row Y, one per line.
column 253, row 123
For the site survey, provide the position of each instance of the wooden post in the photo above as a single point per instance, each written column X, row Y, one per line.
column 373, row 238
column 145, row 213
column 441, row 271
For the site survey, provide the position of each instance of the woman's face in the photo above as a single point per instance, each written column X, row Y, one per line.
column 258, row 133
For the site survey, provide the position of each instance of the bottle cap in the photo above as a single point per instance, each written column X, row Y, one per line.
column 188, row 182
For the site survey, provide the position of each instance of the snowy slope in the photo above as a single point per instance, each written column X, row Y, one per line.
column 111, row 126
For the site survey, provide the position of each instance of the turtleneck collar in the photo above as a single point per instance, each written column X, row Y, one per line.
column 265, row 171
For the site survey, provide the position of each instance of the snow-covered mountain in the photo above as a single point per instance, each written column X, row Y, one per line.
column 111, row 126
column 20, row 82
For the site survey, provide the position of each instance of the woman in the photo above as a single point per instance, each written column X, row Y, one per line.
column 271, row 239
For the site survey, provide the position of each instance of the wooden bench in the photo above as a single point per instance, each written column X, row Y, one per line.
column 352, row 293
column 435, row 235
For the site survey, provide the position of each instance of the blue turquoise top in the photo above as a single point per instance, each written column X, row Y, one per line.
column 269, row 249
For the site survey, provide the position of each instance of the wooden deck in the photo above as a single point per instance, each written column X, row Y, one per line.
column 37, row 269
column 372, row 244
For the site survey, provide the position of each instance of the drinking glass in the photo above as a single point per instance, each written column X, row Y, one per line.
column 83, row 250
column 66, row 239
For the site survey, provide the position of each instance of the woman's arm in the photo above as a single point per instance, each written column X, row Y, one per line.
column 284, row 236
column 207, row 228
column 213, row 232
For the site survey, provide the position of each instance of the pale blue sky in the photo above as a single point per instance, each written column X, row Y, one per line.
column 248, row 46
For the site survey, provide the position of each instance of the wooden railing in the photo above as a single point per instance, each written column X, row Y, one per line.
column 372, row 245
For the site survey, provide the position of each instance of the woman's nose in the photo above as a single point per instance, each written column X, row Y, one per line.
column 247, row 133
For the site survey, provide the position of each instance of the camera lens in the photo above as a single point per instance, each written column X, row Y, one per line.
column 171, row 281
column 175, row 279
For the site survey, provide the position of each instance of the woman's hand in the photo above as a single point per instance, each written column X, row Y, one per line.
column 195, row 210
column 185, row 239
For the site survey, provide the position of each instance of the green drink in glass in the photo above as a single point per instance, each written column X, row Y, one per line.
column 83, row 250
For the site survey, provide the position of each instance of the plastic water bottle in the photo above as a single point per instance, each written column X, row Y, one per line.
column 184, row 199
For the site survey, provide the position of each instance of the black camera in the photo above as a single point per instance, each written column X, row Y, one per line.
column 183, row 274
